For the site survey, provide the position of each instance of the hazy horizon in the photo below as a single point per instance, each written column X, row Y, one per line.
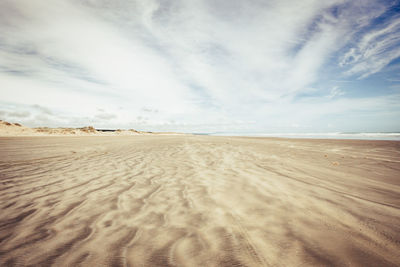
column 202, row 66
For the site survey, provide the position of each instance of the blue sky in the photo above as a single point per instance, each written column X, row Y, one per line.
column 202, row 66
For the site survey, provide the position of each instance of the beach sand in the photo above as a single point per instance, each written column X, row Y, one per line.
column 198, row 201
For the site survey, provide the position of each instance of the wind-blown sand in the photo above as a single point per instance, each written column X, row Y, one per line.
column 198, row 201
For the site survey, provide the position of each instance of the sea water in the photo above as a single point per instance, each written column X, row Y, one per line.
column 360, row 136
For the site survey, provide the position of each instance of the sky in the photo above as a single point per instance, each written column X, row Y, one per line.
column 244, row 66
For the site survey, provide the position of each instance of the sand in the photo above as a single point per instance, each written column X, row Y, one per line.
column 9, row 129
column 198, row 201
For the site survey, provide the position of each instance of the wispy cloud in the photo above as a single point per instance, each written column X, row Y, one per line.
column 375, row 50
column 186, row 63
column 335, row 91
column 106, row 116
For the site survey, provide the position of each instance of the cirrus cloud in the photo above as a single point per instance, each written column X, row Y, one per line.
column 213, row 64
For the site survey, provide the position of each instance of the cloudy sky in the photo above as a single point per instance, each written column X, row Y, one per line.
column 202, row 66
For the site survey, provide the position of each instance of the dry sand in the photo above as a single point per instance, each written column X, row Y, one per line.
column 198, row 201
column 16, row 129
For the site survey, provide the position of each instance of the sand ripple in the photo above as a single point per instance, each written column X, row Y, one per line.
column 198, row 201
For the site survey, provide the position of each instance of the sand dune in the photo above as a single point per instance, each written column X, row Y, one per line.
column 198, row 201
column 16, row 129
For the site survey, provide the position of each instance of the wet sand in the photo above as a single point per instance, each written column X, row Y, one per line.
column 198, row 201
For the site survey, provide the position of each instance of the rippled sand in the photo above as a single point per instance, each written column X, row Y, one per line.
column 198, row 201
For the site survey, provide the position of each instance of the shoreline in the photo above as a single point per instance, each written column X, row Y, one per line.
column 271, row 138
column 324, row 136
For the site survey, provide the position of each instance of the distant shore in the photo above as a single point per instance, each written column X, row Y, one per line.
column 395, row 136
column 16, row 129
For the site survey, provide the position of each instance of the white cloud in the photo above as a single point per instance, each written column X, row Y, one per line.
column 197, row 64
column 335, row 91
column 106, row 116
column 376, row 49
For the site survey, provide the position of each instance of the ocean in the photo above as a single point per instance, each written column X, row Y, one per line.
column 357, row 136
